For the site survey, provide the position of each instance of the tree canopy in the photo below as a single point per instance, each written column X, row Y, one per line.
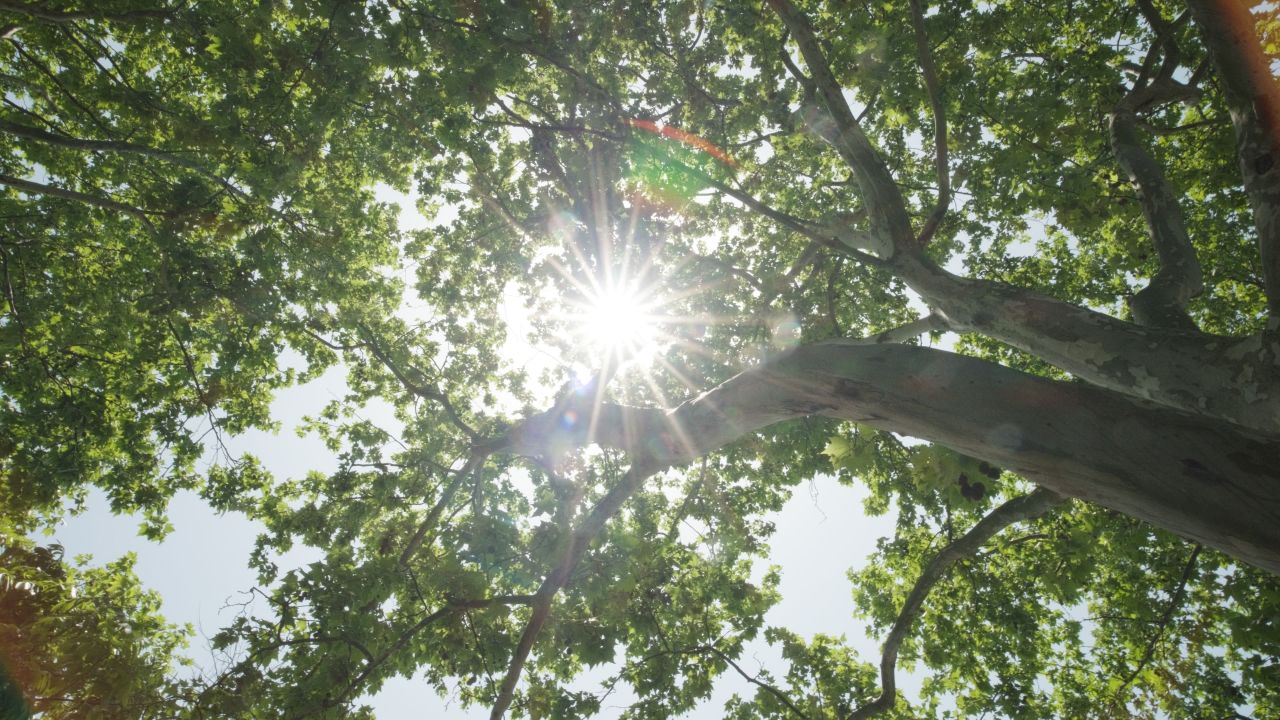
column 734, row 231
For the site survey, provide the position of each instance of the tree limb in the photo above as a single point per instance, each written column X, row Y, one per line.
column 1218, row 489
column 63, row 18
column 1163, row 301
column 576, row 546
column 424, row 391
column 902, row 333
column 433, row 515
column 884, row 202
column 754, row 680
column 1032, row 505
column 452, row 607
column 1192, row 371
column 115, row 146
column 941, row 164
column 1253, row 98
column 94, row 200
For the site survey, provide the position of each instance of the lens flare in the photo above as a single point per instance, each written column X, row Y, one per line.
column 619, row 323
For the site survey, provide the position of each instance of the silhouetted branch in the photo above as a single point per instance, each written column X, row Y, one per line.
column 94, row 200
column 63, row 18
column 574, row 549
column 1157, row 632
column 1031, row 505
column 424, row 391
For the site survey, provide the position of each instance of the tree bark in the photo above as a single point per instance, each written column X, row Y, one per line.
column 1253, row 98
column 1232, row 379
column 1207, row 480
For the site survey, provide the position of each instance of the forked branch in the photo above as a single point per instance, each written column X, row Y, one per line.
column 885, row 205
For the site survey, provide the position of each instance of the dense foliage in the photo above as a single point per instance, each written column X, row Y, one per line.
column 188, row 223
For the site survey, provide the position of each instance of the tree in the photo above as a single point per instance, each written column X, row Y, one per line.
column 80, row 642
column 1086, row 196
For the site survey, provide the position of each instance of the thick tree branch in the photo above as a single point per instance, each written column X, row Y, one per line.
column 885, row 205
column 940, row 156
column 1219, row 487
column 1253, row 98
column 1234, row 379
column 1163, row 301
column 1027, row 507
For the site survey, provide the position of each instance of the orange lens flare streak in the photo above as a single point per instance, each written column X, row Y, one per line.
column 685, row 138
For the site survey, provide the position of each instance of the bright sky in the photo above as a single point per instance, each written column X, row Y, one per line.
column 201, row 568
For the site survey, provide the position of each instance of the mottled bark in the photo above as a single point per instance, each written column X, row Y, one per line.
column 1204, row 479
column 1161, row 359
column 1234, row 379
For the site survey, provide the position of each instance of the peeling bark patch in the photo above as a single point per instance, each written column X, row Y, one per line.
column 1263, row 163
column 1255, row 465
column 805, row 407
column 1196, row 470
column 848, row 389
column 1005, row 436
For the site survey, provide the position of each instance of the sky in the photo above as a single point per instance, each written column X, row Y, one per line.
column 201, row 569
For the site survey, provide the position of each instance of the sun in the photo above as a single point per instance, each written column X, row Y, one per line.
column 620, row 323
